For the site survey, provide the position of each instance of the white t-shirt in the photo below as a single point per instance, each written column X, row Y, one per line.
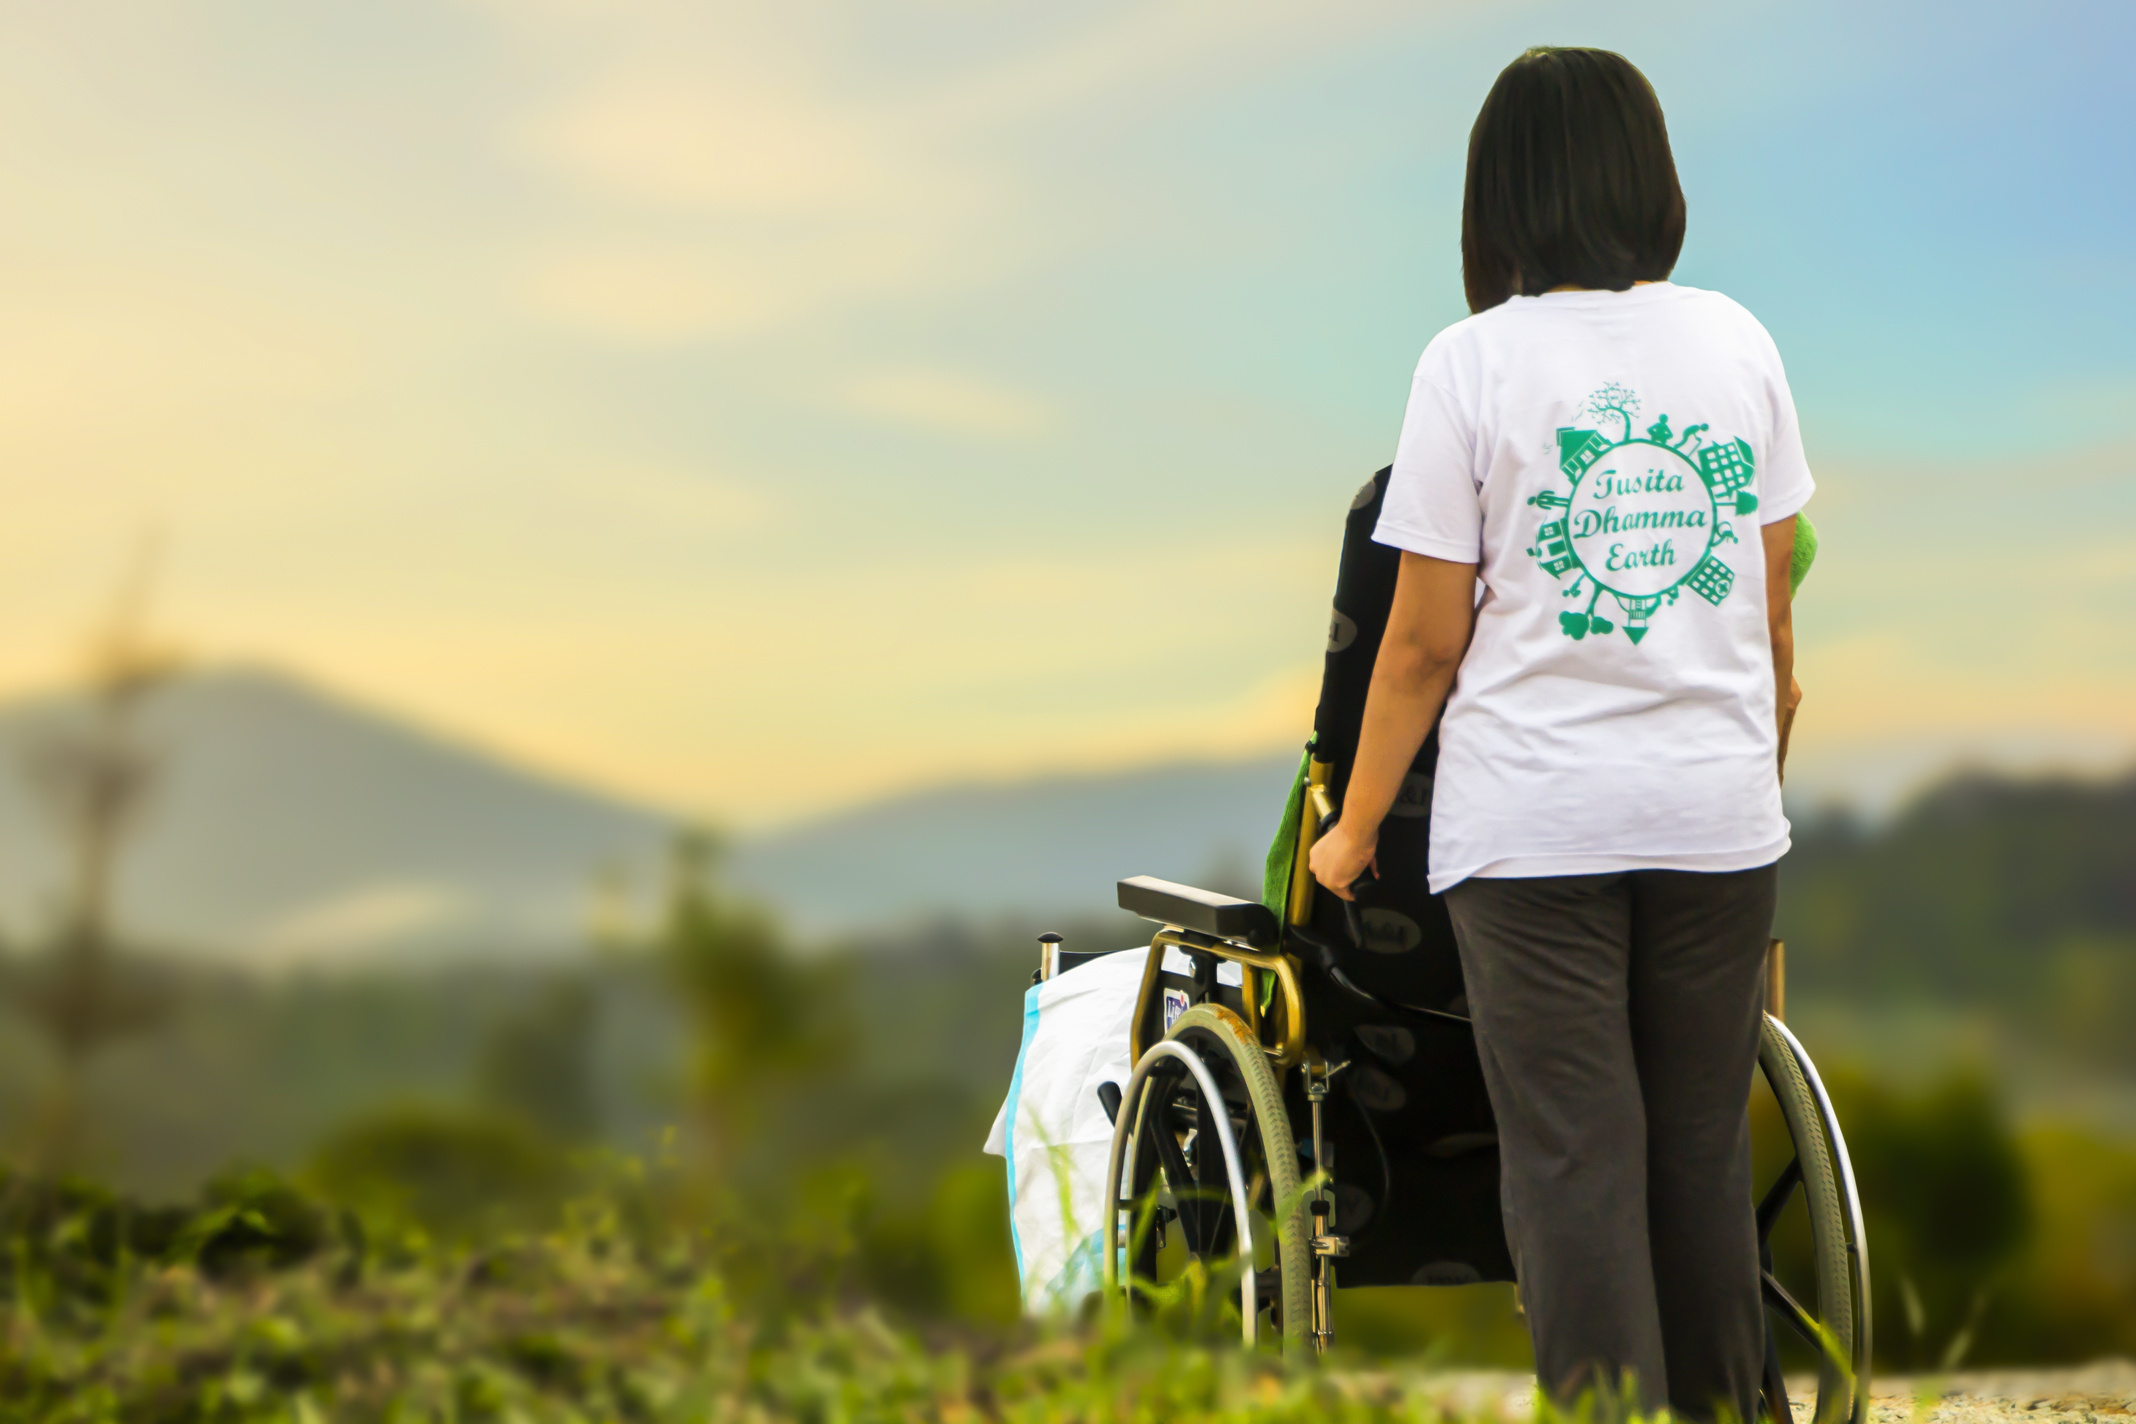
column 1606, row 458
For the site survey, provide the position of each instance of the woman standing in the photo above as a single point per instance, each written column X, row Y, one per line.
column 1614, row 461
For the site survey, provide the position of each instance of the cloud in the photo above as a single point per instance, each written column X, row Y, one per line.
column 96, row 354
column 730, row 212
column 359, row 921
column 654, row 296
column 754, row 166
column 940, row 400
column 635, row 500
column 703, row 144
column 735, row 185
column 722, row 285
column 1169, row 49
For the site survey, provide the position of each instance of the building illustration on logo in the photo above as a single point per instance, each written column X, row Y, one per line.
column 1646, row 516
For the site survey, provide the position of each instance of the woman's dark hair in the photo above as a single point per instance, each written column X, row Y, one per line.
column 1570, row 180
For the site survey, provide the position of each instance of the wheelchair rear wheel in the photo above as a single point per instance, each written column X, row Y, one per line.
column 1205, row 1116
column 1828, row 1308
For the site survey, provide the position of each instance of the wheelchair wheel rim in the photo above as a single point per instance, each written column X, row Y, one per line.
column 1260, row 1146
column 1837, row 1304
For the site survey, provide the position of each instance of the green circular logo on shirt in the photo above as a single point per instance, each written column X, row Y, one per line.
column 1640, row 520
column 1646, row 516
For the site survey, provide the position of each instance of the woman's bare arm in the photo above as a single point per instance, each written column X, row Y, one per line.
column 1428, row 631
column 1779, row 537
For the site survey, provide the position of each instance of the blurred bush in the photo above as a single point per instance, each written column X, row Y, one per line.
column 827, row 1109
column 454, row 1174
column 113, row 1314
column 769, row 1026
column 539, row 1064
column 1469, row 1325
column 1966, row 895
column 1988, row 1246
column 1947, row 1197
column 2074, row 1294
column 807, row 1110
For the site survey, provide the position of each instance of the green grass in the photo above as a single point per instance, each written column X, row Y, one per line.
column 263, row 1304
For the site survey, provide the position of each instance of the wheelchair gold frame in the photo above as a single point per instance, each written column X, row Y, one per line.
column 1281, row 1031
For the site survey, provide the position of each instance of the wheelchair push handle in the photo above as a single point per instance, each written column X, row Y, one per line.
column 1353, row 918
column 1366, row 878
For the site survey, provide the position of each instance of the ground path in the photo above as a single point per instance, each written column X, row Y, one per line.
column 2101, row 1393
column 2090, row 1394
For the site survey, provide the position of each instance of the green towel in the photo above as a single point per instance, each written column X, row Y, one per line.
column 1276, row 872
column 1798, row 568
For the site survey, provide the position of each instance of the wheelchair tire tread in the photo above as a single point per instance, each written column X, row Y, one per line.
column 1279, row 1150
column 1828, row 1230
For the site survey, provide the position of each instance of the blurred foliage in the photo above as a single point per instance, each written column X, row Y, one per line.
column 768, row 1023
column 470, row 1237
column 2085, row 997
column 2074, row 1297
column 1973, row 893
column 254, row 1307
column 538, row 1064
column 850, row 1092
column 1467, row 1325
column 1988, row 1246
column 256, row 1068
column 1995, row 920
column 454, row 1174
column 1947, row 1201
column 810, row 1116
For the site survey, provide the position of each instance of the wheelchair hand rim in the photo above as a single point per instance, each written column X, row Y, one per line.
column 1123, row 1147
column 1843, row 1168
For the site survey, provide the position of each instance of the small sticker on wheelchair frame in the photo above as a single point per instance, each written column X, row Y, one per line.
column 1175, row 1004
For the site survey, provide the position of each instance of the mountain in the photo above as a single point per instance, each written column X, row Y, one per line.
column 287, row 824
column 1053, row 846
column 291, row 826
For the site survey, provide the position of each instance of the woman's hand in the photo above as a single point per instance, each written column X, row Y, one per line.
column 1339, row 858
column 1787, row 720
column 1779, row 538
column 1428, row 628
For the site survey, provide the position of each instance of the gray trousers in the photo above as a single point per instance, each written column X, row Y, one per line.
column 1618, row 1018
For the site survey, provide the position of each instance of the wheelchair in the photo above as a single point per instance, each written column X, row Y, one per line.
column 1306, row 1101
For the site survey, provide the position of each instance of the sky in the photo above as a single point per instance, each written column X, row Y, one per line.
column 760, row 408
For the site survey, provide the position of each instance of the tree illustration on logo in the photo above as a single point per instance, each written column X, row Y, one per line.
column 1644, row 518
column 1616, row 400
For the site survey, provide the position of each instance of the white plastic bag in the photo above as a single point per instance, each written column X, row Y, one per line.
column 1054, row 1132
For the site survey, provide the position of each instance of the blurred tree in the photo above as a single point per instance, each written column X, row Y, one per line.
column 947, row 1253
column 767, row 1023
column 2075, row 1296
column 452, row 1173
column 1948, row 1210
column 1964, row 894
column 93, row 775
column 2087, row 995
column 538, row 1064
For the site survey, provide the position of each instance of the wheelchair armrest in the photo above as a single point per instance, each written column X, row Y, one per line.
column 1249, row 922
